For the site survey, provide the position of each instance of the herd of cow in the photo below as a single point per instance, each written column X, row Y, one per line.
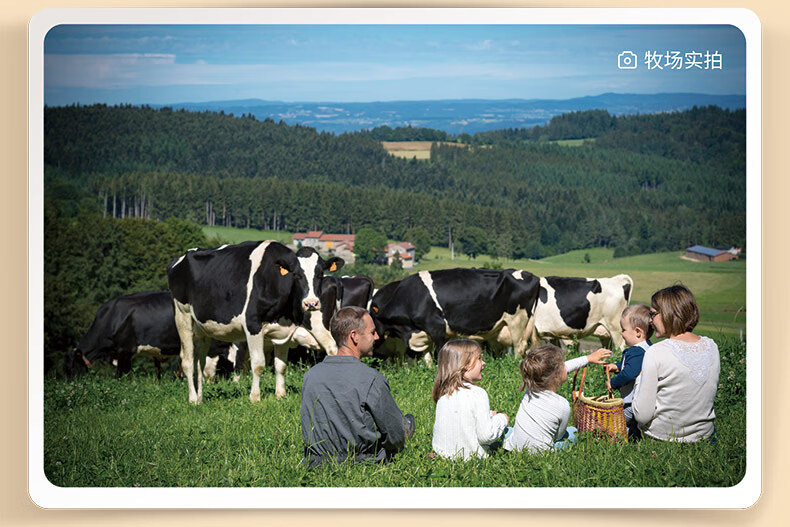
column 272, row 299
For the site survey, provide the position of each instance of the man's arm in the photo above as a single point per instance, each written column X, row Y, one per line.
column 386, row 415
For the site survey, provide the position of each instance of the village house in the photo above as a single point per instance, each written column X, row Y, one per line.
column 405, row 250
column 706, row 254
column 341, row 245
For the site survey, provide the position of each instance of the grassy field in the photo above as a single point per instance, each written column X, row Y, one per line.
column 135, row 432
column 235, row 235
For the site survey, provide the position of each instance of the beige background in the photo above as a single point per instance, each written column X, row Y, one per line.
column 17, row 509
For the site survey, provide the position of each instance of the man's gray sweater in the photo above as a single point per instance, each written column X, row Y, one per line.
column 347, row 409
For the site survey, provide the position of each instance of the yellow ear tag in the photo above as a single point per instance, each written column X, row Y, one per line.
column 375, row 309
column 333, row 267
column 283, row 270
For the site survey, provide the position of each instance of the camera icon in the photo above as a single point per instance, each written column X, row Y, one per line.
column 626, row 60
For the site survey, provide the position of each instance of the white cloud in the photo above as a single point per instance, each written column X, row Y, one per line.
column 485, row 45
column 132, row 70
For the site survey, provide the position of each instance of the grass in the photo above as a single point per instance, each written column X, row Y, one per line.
column 136, row 432
column 236, row 235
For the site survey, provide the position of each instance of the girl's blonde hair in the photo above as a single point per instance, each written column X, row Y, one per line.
column 541, row 367
column 455, row 357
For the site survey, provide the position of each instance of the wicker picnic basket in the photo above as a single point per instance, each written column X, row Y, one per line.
column 603, row 414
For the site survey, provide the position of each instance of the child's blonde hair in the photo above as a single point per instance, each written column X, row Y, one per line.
column 638, row 315
column 455, row 357
column 541, row 367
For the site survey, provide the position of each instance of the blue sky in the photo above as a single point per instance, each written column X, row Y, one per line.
column 159, row 64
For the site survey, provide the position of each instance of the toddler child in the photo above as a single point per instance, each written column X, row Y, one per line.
column 544, row 414
column 636, row 330
column 465, row 425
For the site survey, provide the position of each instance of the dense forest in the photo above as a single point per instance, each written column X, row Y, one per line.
column 645, row 183
column 126, row 189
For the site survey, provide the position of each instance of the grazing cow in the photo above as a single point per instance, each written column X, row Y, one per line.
column 582, row 307
column 434, row 306
column 238, row 292
column 127, row 325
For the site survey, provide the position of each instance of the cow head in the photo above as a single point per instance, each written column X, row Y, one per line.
column 75, row 363
column 313, row 268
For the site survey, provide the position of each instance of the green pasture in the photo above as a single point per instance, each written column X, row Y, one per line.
column 137, row 432
column 236, row 235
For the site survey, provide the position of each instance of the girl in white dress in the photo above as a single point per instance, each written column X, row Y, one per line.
column 465, row 425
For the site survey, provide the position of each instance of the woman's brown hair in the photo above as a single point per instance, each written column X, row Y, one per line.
column 455, row 357
column 540, row 368
column 678, row 309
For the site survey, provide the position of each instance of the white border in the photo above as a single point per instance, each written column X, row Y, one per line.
column 742, row 495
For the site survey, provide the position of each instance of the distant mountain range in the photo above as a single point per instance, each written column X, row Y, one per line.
column 457, row 116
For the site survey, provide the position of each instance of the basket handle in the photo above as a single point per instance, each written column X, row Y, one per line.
column 581, row 385
column 607, row 380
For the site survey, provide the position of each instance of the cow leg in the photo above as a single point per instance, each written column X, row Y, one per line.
column 202, row 345
column 124, row 364
column 186, row 334
column 158, row 366
column 210, row 369
column 280, row 358
column 428, row 359
column 257, row 364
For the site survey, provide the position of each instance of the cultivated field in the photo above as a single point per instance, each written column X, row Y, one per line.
column 412, row 149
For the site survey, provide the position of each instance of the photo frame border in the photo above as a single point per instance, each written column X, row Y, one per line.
column 742, row 495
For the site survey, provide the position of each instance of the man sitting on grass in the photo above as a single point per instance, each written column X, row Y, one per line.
column 347, row 408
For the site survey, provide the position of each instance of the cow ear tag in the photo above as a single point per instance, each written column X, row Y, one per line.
column 333, row 267
column 283, row 270
column 375, row 309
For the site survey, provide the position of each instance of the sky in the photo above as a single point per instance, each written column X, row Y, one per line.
column 168, row 64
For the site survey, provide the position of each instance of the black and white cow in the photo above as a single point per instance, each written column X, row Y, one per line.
column 236, row 292
column 335, row 294
column 357, row 291
column 140, row 323
column 434, row 306
column 582, row 306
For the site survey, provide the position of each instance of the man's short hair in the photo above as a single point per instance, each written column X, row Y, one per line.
column 345, row 321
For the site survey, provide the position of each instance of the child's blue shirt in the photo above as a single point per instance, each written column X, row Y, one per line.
column 630, row 367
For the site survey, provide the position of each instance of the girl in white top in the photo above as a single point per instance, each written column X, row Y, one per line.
column 465, row 424
column 544, row 414
column 673, row 397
